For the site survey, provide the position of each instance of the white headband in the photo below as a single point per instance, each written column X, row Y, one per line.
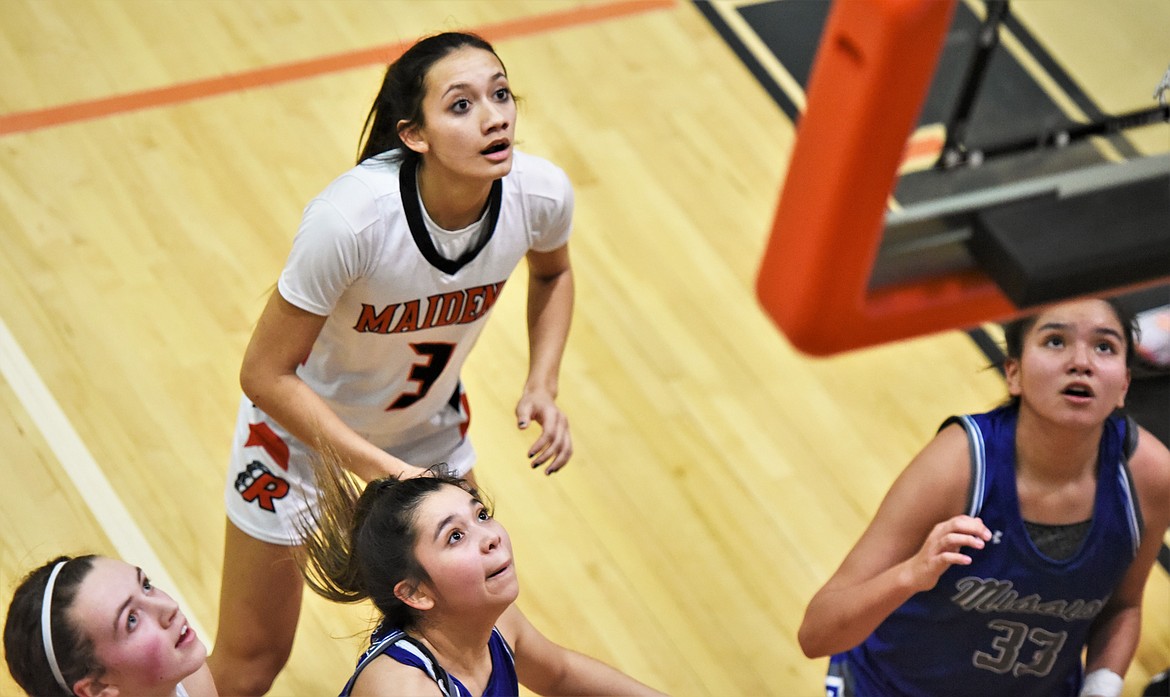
column 46, row 626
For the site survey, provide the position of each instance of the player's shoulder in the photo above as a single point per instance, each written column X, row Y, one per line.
column 942, row 468
column 372, row 179
column 358, row 195
column 1150, row 465
column 538, row 176
column 386, row 676
column 951, row 443
column 528, row 163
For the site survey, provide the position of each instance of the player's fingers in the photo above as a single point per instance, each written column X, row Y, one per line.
column 556, row 439
column 953, row 542
column 970, row 526
column 523, row 414
column 539, row 447
column 564, row 452
column 955, row 559
column 558, row 451
column 960, row 528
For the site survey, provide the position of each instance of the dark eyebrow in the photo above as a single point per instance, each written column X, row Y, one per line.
column 1061, row 326
column 123, row 606
column 446, row 521
column 453, row 88
column 1111, row 332
column 465, row 85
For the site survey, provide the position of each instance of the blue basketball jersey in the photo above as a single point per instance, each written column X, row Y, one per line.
column 1014, row 621
column 396, row 644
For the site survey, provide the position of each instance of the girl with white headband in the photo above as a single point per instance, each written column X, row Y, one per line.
column 92, row 625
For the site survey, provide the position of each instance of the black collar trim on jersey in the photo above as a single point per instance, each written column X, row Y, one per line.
column 408, row 188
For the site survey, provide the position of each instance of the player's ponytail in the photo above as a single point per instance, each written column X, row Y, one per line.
column 327, row 561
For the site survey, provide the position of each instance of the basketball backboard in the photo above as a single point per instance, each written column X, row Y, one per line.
column 868, row 246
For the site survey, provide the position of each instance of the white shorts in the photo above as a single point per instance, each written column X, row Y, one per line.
column 270, row 485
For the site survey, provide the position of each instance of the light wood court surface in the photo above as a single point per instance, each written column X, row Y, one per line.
column 719, row 476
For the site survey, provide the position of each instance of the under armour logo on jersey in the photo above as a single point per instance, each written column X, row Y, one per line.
column 257, row 483
column 995, row 537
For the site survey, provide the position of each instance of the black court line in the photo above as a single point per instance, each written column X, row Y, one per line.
column 989, row 346
column 1065, row 82
column 1010, row 105
column 745, row 55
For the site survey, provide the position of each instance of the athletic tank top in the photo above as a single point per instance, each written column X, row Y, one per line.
column 396, row 644
column 1014, row 621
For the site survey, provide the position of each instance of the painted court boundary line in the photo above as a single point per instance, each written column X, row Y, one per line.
column 179, row 93
column 88, row 478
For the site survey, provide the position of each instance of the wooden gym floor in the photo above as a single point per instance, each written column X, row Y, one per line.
column 154, row 159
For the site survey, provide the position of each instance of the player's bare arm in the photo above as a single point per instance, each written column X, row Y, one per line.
column 550, row 312
column 284, row 335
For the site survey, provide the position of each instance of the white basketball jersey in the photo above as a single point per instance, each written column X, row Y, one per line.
column 401, row 318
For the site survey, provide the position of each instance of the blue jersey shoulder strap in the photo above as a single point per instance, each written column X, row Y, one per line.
column 424, row 660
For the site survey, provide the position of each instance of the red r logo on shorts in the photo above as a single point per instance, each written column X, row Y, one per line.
column 257, row 483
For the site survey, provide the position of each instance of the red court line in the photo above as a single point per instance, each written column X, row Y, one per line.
column 925, row 146
column 187, row 91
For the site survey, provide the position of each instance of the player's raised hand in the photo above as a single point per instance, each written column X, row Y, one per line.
column 555, row 444
column 943, row 548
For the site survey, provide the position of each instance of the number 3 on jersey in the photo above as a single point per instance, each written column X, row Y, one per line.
column 1010, row 643
column 433, row 359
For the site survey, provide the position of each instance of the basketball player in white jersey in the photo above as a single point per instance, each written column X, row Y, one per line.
column 392, row 276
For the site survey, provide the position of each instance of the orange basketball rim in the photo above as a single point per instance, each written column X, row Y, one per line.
column 866, row 89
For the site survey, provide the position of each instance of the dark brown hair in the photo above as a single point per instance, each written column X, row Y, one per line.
column 403, row 88
column 1015, row 331
column 24, row 648
column 360, row 543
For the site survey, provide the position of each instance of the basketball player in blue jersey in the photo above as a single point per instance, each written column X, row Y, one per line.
column 392, row 275
column 428, row 553
column 1015, row 540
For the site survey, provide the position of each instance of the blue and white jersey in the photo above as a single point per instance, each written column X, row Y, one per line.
column 396, row 644
column 1014, row 621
